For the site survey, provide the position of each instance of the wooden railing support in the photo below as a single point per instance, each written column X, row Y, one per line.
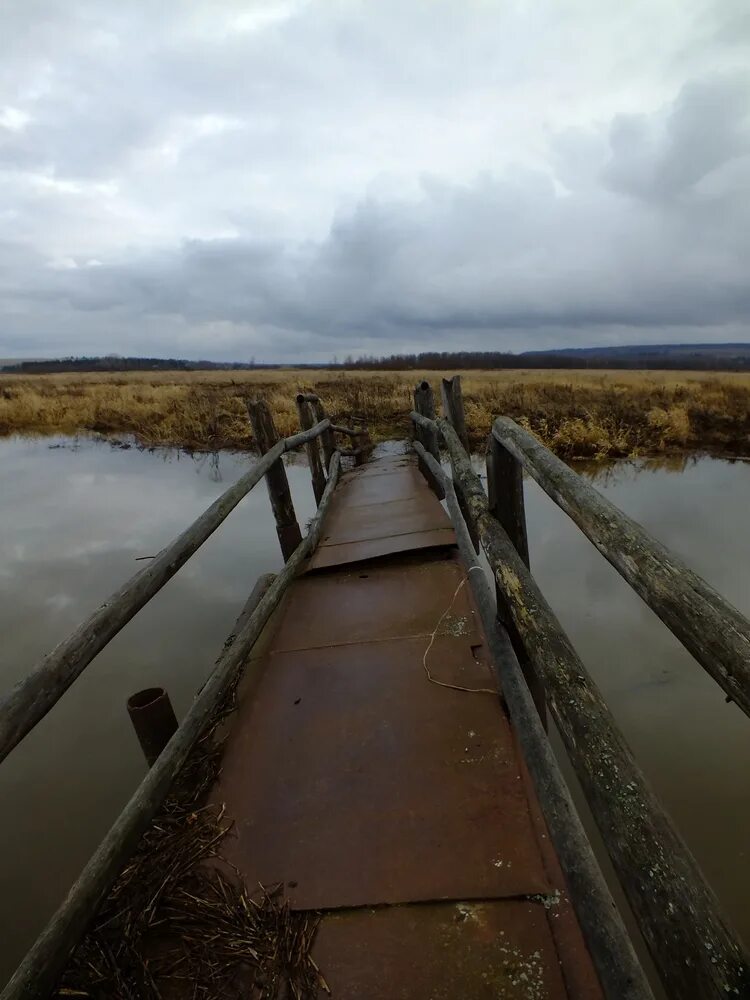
column 453, row 407
column 505, row 490
column 707, row 625
column 266, row 436
column 505, row 495
column 453, row 410
column 327, row 440
column 424, row 403
column 306, row 421
column 694, row 950
column 609, row 943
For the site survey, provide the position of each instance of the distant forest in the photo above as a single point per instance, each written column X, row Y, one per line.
column 114, row 363
column 698, row 357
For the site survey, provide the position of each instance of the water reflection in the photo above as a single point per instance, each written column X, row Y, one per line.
column 692, row 745
column 76, row 516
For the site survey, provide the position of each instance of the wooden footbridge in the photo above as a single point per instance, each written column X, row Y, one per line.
column 386, row 817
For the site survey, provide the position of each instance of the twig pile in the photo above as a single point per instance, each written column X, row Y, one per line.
column 175, row 926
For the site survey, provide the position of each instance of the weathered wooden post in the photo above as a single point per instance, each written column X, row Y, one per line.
column 505, row 493
column 153, row 719
column 505, row 489
column 266, row 436
column 306, row 421
column 424, row 403
column 366, row 445
column 453, row 411
column 327, row 440
column 453, row 407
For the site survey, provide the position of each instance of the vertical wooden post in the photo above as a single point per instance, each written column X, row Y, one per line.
column 266, row 436
column 453, row 411
column 453, row 408
column 505, row 489
column 358, row 444
column 306, row 421
column 327, row 439
column 424, row 403
column 365, row 444
column 505, row 494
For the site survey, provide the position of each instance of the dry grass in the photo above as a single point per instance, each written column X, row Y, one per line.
column 180, row 922
column 591, row 414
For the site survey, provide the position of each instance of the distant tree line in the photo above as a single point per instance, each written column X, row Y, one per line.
column 113, row 363
column 699, row 357
column 675, row 358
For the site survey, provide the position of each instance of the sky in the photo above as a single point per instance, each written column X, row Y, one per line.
column 308, row 179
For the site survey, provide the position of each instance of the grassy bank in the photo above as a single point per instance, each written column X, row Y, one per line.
column 590, row 414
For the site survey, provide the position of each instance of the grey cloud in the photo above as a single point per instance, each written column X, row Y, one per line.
column 340, row 180
column 666, row 156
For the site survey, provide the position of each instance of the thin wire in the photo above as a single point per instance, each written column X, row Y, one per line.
column 434, row 680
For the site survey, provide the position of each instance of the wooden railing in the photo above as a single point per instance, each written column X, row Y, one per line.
column 34, row 696
column 695, row 952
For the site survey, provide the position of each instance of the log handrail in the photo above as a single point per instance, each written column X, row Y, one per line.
column 40, row 969
column 33, row 696
column 609, row 943
column 707, row 625
column 694, row 950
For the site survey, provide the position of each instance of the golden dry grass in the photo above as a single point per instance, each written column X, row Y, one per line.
column 576, row 413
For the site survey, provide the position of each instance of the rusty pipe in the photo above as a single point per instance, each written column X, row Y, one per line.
column 153, row 719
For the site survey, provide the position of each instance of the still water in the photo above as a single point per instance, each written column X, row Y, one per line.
column 74, row 517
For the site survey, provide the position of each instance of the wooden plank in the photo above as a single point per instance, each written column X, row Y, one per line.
column 266, row 436
column 607, row 938
column 31, row 698
column 37, row 975
column 707, row 625
column 694, row 949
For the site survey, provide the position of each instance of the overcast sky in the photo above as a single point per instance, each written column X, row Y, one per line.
column 298, row 180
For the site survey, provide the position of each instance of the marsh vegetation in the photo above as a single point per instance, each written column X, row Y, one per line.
column 578, row 414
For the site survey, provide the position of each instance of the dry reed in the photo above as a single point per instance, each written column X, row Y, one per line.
column 175, row 925
column 578, row 414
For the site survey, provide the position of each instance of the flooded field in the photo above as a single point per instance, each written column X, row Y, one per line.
column 75, row 518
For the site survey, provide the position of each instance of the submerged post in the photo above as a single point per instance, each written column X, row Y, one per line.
column 505, row 494
column 266, row 436
column 453, row 408
column 153, row 719
column 306, row 421
column 424, row 403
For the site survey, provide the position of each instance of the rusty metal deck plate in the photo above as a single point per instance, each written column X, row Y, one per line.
column 380, row 509
column 356, row 781
column 400, row 483
column 333, row 556
column 482, row 951
column 367, row 604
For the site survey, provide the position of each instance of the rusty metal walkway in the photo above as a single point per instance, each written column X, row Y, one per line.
column 374, row 772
